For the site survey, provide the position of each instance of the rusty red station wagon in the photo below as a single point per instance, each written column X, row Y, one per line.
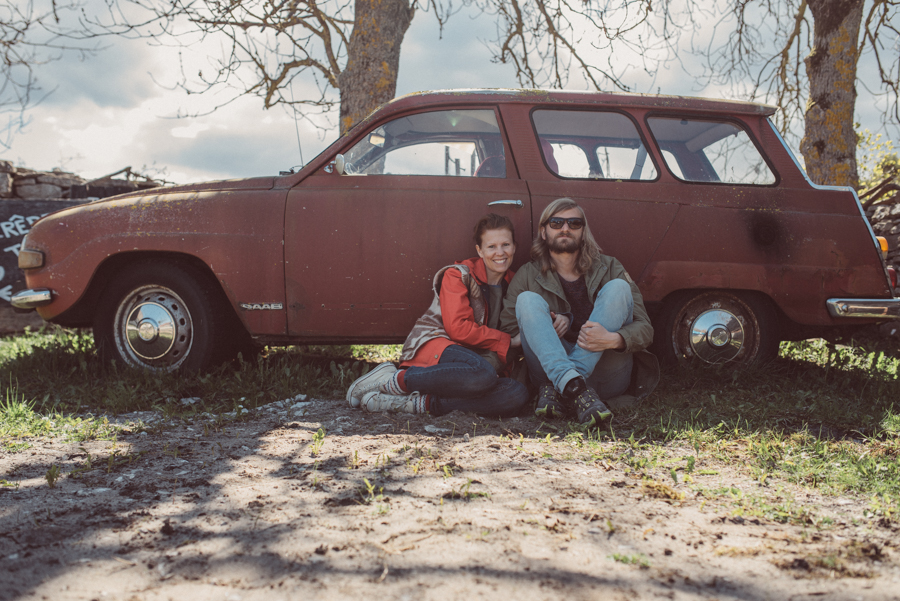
column 734, row 249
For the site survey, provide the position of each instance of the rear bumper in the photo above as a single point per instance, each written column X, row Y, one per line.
column 866, row 308
column 31, row 299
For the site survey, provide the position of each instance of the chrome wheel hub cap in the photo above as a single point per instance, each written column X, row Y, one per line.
column 717, row 336
column 150, row 330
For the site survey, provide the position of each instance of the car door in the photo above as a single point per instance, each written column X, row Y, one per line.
column 599, row 159
column 362, row 247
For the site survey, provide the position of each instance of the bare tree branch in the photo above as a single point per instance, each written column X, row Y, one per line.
column 30, row 36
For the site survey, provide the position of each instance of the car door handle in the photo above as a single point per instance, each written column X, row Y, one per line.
column 515, row 203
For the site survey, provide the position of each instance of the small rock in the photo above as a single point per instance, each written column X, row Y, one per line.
column 435, row 430
column 300, row 408
column 167, row 528
column 38, row 191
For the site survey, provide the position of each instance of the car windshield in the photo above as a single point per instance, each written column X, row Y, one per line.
column 710, row 151
column 456, row 143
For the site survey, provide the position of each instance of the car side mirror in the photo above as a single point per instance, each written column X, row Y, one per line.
column 336, row 165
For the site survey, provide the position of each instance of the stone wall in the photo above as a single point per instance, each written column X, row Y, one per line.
column 25, row 184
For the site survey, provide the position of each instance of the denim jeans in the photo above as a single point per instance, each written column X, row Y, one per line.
column 462, row 380
column 554, row 360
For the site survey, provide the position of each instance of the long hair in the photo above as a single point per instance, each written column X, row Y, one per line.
column 589, row 252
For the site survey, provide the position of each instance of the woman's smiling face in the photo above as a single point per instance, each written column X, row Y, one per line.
column 496, row 250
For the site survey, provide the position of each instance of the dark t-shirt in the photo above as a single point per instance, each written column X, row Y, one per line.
column 577, row 294
column 495, row 305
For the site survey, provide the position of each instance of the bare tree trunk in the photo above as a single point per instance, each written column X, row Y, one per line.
column 829, row 141
column 373, row 57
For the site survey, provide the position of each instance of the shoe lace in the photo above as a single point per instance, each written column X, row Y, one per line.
column 585, row 399
column 547, row 394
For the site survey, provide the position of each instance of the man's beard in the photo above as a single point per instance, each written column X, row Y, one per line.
column 563, row 244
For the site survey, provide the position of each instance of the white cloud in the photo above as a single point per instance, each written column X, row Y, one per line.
column 189, row 131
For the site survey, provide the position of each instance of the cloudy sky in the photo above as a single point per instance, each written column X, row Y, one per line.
column 119, row 108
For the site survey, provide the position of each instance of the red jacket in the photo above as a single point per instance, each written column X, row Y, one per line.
column 459, row 320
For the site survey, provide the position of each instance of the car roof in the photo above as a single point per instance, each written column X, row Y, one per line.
column 547, row 97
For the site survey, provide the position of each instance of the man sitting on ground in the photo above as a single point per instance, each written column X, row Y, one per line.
column 581, row 318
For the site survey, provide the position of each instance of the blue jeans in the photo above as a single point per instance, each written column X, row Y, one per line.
column 556, row 361
column 462, row 380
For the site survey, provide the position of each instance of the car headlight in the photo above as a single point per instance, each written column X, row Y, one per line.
column 30, row 259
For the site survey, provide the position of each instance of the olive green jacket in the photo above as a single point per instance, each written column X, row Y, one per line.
column 637, row 335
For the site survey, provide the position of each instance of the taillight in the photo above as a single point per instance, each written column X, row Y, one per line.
column 892, row 273
column 882, row 243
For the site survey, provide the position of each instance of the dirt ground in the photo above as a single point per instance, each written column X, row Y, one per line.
column 408, row 507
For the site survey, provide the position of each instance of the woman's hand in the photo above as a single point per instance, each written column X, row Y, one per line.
column 560, row 323
column 594, row 337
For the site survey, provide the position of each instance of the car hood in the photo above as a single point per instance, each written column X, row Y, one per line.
column 249, row 183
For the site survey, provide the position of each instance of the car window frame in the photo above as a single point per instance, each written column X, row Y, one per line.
column 705, row 117
column 634, row 121
column 504, row 138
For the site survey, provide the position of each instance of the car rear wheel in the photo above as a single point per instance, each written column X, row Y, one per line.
column 717, row 327
column 159, row 316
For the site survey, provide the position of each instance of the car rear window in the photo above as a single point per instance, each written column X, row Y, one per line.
column 698, row 150
column 592, row 145
column 464, row 143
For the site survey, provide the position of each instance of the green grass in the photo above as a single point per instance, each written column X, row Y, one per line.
column 57, row 371
column 53, row 384
column 638, row 559
column 19, row 421
column 821, row 416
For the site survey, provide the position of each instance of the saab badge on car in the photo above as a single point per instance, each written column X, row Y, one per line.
column 262, row 306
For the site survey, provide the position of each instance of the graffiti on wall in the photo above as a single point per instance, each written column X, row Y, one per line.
column 17, row 218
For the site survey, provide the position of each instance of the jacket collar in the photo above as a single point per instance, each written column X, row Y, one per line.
column 477, row 269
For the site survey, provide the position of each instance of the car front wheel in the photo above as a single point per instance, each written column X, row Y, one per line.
column 159, row 316
column 717, row 327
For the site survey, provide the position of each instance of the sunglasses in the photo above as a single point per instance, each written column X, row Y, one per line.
column 575, row 223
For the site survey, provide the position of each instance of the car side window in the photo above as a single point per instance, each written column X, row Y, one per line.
column 459, row 143
column 592, row 145
column 571, row 160
column 672, row 162
column 698, row 150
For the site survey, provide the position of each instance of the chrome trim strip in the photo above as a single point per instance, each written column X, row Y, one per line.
column 869, row 308
column 515, row 203
column 31, row 299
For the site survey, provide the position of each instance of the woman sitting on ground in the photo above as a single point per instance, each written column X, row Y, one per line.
column 451, row 359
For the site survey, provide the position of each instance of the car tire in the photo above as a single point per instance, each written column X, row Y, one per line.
column 716, row 326
column 160, row 316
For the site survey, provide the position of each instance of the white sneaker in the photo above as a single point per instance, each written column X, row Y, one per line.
column 369, row 382
column 382, row 401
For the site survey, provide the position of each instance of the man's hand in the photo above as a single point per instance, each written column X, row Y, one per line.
column 594, row 337
column 560, row 323
column 515, row 341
